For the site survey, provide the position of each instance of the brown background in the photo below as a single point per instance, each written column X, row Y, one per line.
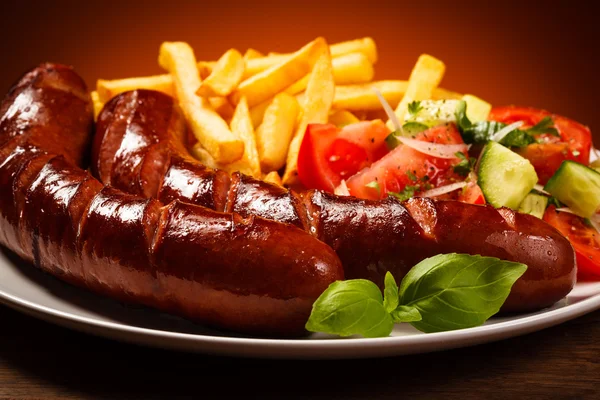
column 507, row 53
column 543, row 56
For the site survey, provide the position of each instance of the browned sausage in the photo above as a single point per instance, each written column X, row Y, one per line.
column 220, row 269
column 370, row 237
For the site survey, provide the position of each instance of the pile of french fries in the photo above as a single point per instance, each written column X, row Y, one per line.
column 248, row 112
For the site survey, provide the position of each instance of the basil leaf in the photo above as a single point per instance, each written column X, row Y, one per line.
column 455, row 291
column 462, row 121
column 481, row 132
column 406, row 314
column 352, row 307
column 390, row 293
column 546, row 125
column 518, row 138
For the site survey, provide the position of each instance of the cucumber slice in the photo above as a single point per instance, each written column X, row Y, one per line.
column 577, row 186
column 504, row 176
column 410, row 129
column 534, row 204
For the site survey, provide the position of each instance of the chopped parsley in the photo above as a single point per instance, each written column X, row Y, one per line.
column 414, row 107
column 465, row 166
column 408, row 192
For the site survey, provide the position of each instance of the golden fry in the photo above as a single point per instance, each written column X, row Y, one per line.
column 204, row 156
column 251, row 54
column 96, row 103
column 209, row 128
column 341, row 118
column 348, row 68
column 477, row 109
column 364, row 45
column 241, row 125
column 424, row 78
column 315, row 109
column 274, row 135
column 107, row 89
column 273, row 177
column 363, row 98
column 222, row 106
column 352, row 68
column 225, row 76
column 269, row 82
column 257, row 112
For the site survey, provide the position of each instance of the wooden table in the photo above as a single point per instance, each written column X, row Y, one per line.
column 40, row 360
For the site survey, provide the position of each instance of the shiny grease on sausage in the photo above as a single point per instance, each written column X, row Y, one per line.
column 370, row 237
column 216, row 268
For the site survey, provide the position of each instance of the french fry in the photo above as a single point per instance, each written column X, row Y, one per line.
column 269, row 82
column 225, row 76
column 222, row 106
column 348, row 68
column 274, row 135
column 209, row 128
column 352, row 68
column 273, row 177
column 477, row 109
column 251, row 54
column 364, row 45
column 315, row 109
column 96, row 103
column 241, row 124
column 424, row 78
column 205, row 68
column 107, row 89
column 204, row 156
column 341, row 118
column 257, row 112
column 363, row 98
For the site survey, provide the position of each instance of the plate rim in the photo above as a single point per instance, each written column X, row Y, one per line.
column 305, row 348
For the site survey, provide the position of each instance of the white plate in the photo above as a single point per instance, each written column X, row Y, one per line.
column 25, row 288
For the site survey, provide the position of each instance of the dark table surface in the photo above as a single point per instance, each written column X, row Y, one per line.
column 41, row 360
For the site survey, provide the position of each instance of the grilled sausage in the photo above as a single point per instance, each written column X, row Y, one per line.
column 221, row 269
column 139, row 147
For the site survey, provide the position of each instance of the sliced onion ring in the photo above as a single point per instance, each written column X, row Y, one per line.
column 540, row 189
column 595, row 221
column 434, row 149
column 342, row 189
column 443, row 189
column 566, row 209
column 388, row 110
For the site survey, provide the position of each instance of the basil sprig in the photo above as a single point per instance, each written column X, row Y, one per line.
column 441, row 293
column 482, row 131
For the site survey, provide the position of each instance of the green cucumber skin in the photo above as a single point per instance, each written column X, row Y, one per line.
column 577, row 186
column 534, row 204
column 504, row 176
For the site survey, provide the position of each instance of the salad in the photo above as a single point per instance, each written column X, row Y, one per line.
column 524, row 158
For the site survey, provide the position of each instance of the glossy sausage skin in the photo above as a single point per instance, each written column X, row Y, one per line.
column 370, row 237
column 220, row 269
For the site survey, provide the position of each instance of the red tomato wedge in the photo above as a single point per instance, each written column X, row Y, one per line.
column 405, row 168
column 585, row 240
column 574, row 143
column 471, row 194
column 329, row 154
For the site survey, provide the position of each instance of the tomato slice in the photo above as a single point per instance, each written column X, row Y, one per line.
column 585, row 240
column 329, row 154
column 471, row 194
column 404, row 168
column 575, row 140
